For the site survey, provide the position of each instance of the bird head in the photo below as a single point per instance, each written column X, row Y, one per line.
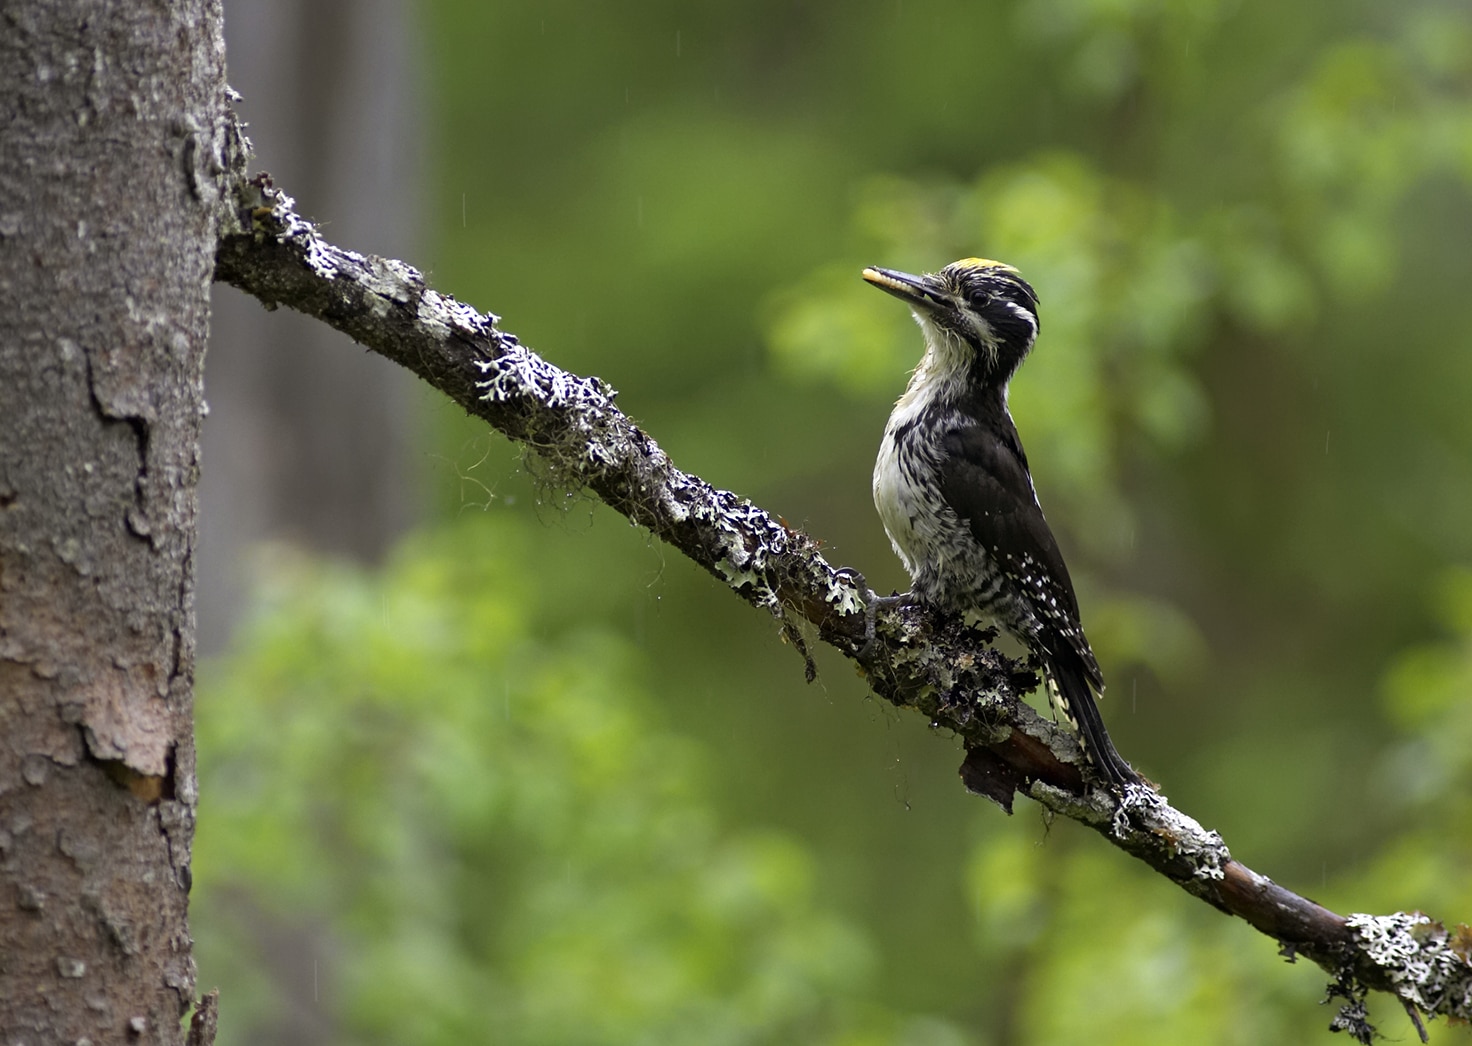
column 975, row 306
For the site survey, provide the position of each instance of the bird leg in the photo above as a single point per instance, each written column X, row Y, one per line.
column 873, row 602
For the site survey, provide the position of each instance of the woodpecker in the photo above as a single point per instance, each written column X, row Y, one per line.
column 954, row 492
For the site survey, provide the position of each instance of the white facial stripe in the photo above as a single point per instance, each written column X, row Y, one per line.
column 1024, row 313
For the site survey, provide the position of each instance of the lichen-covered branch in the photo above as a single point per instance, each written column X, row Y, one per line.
column 912, row 658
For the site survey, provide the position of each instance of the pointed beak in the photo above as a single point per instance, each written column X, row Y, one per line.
column 919, row 292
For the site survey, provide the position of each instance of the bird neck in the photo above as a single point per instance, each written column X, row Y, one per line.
column 952, row 365
column 954, row 373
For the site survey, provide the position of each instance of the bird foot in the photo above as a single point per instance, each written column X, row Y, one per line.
column 873, row 603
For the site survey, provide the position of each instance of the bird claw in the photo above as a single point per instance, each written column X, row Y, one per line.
column 873, row 602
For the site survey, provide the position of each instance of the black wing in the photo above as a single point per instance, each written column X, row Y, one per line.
column 984, row 478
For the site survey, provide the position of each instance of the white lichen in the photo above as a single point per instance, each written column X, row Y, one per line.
column 518, row 372
column 440, row 314
column 322, row 259
column 1416, row 954
column 392, row 279
column 739, row 565
column 672, row 508
column 841, row 592
column 1204, row 850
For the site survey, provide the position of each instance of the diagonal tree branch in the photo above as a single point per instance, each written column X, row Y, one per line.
column 912, row 658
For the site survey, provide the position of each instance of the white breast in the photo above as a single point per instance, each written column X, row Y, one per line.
column 906, row 490
column 895, row 498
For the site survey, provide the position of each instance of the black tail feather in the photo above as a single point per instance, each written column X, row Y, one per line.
column 1070, row 687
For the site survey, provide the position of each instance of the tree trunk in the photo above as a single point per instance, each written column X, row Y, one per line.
column 111, row 137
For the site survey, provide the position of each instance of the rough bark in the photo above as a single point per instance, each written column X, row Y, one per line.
column 112, row 139
column 913, row 659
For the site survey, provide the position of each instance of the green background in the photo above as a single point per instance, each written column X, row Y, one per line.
column 539, row 780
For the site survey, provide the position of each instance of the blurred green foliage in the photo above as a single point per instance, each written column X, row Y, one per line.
column 506, row 844
column 540, row 781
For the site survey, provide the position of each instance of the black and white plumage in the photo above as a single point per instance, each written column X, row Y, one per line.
column 954, row 492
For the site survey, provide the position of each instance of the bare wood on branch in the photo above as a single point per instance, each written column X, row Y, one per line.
column 912, row 658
